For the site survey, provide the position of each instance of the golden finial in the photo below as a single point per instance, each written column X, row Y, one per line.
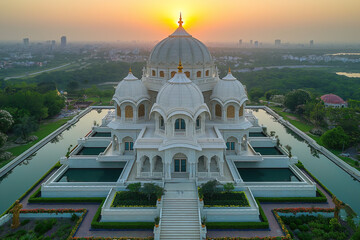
column 229, row 70
column 130, row 70
column 180, row 21
column 180, row 67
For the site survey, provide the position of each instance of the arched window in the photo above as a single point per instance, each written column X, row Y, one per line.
column 198, row 123
column 230, row 144
column 161, row 123
column 128, row 144
column 241, row 111
column 118, row 111
column 153, row 73
column 180, row 124
column 161, row 73
column 129, row 112
column 187, row 73
column 198, row 74
column 173, row 73
column 207, row 73
column 230, row 113
column 141, row 111
column 218, row 110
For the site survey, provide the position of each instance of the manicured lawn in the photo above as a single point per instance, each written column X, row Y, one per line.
column 306, row 127
column 43, row 131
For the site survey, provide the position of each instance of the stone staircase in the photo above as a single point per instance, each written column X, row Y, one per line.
column 180, row 215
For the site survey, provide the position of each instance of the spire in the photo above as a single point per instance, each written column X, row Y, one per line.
column 180, row 21
column 180, row 67
column 229, row 70
column 130, row 70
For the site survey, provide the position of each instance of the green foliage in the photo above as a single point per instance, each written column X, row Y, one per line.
column 25, row 126
column 320, row 198
column 3, row 138
column 157, row 220
column 150, row 189
column 44, row 226
column 256, row 93
column 132, row 199
column 228, row 187
column 295, row 98
column 6, row 121
column 226, row 199
column 209, row 188
column 134, row 187
column 268, row 94
column 335, row 138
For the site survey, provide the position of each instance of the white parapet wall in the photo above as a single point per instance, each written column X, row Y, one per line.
column 127, row 214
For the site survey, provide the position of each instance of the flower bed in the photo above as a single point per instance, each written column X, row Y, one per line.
column 319, row 198
column 226, row 199
column 308, row 210
column 133, row 199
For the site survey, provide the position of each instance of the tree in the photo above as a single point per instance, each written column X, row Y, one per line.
column 25, row 127
column 209, row 188
column 335, row 138
column 6, row 121
column 256, row 93
column 3, row 138
column 318, row 114
column 295, row 98
column 134, row 187
column 228, row 187
column 270, row 93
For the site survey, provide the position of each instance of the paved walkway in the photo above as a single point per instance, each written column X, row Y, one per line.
column 85, row 227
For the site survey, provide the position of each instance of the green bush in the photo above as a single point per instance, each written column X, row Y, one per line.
column 134, row 187
column 210, row 188
column 226, row 199
column 127, row 198
column 228, row 187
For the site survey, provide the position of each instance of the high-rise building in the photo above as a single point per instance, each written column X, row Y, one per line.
column 277, row 42
column 240, row 42
column 26, row 42
column 63, row 41
column 256, row 43
column 311, row 43
column 53, row 43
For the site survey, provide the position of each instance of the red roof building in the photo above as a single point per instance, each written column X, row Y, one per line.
column 332, row 100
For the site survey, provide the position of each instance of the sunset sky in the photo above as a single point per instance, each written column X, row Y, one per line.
column 295, row 21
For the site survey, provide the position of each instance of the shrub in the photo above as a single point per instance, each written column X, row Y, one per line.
column 74, row 217
column 293, row 226
column 134, row 187
column 226, row 199
column 228, row 187
column 127, row 198
column 210, row 188
column 150, row 189
column 26, row 221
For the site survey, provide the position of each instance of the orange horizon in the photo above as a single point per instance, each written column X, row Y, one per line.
column 211, row 21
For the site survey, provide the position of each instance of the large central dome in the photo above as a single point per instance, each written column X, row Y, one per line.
column 196, row 58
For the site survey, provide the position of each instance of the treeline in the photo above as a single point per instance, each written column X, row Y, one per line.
column 94, row 74
column 316, row 81
column 38, row 101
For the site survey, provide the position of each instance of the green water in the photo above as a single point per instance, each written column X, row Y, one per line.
column 23, row 176
column 91, row 175
column 91, row 151
column 257, row 134
column 267, row 175
column 102, row 134
column 268, row 150
column 345, row 187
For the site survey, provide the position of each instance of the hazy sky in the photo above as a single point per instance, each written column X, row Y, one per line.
column 295, row 21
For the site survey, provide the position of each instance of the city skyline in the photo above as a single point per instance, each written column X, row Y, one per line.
column 264, row 21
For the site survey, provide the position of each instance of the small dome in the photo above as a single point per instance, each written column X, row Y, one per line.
column 229, row 89
column 130, row 89
column 180, row 96
column 332, row 99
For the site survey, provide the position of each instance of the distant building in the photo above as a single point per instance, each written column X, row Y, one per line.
column 26, row 42
column 63, row 41
column 311, row 43
column 53, row 44
column 240, row 42
column 277, row 42
column 256, row 43
column 332, row 100
column 251, row 41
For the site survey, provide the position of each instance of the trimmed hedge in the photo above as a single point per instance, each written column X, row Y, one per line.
column 57, row 165
column 301, row 166
column 133, row 199
column 242, row 225
column 226, row 199
column 321, row 198
column 35, row 198
column 95, row 224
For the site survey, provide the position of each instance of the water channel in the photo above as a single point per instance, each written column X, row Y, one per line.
column 16, row 182
column 23, row 176
column 345, row 187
